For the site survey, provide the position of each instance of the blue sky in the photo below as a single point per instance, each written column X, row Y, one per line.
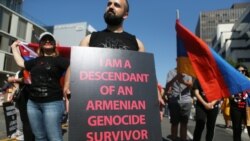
column 152, row 21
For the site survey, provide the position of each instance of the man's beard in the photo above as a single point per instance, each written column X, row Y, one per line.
column 112, row 20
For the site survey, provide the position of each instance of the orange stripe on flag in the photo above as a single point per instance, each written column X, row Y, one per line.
column 184, row 66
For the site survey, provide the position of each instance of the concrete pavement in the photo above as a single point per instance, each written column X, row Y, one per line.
column 220, row 133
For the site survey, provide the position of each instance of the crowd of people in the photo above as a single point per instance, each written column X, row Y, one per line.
column 233, row 108
column 42, row 102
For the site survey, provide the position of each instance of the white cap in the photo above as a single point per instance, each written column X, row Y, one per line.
column 46, row 34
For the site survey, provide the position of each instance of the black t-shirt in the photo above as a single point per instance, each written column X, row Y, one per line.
column 45, row 76
column 107, row 39
column 197, row 85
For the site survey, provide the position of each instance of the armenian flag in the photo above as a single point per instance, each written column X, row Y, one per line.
column 217, row 77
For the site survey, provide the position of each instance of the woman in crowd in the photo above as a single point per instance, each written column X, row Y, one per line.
column 45, row 105
column 238, row 105
column 206, row 114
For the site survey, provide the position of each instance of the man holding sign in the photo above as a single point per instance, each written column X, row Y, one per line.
column 114, row 35
column 115, row 95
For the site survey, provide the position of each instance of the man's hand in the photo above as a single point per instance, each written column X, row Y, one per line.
column 66, row 93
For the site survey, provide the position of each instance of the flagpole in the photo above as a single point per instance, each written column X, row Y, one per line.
column 177, row 18
column 177, row 14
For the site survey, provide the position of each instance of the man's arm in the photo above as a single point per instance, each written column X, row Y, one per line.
column 140, row 45
column 85, row 41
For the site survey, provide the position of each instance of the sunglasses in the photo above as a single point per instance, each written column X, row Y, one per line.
column 47, row 40
column 242, row 71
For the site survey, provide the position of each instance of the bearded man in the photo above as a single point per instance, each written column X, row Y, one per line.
column 114, row 35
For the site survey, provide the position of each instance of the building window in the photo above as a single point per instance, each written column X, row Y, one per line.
column 10, row 64
column 4, row 43
column 243, row 60
column 21, row 29
column 35, row 34
column 15, row 5
column 223, row 54
column 5, row 19
column 4, row 2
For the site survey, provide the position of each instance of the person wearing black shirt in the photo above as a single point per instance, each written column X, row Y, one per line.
column 45, row 105
column 113, row 36
column 238, row 105
column 206, row 114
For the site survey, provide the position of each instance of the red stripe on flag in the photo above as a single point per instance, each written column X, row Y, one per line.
column 204, row 64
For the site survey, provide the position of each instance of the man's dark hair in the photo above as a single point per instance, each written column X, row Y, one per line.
column 127, row 7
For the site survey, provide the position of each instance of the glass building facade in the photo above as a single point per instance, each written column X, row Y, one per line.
column 15, row 5
column 208, row 21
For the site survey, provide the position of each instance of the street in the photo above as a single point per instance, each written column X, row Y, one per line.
column 220, row 133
